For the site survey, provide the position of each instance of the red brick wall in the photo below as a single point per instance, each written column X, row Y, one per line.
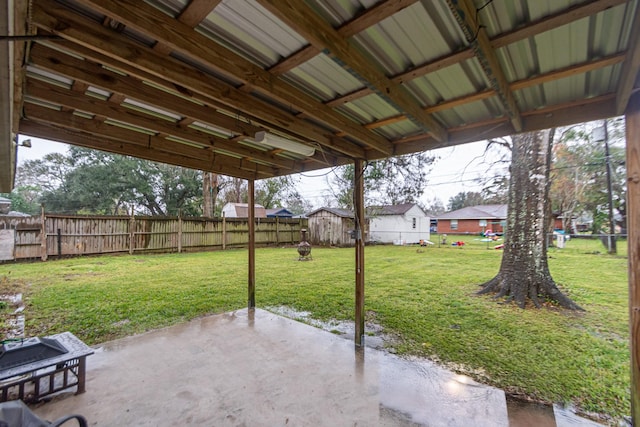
column 471, row 226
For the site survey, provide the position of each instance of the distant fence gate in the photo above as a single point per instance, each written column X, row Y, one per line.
column 54, row 235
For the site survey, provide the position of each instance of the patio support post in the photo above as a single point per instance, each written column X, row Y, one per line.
column 252, row 244
column 633, row 230
column 358, row 196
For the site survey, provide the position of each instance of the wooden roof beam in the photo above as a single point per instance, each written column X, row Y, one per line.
column 361, row 22
column 312, row 27
column 563, row 17
column 156, row 24
column 464, row 12
column 194, row 13
column 66, row 98
column 517, row 85
column 546, row 23
column 151, row 66
column 97, row 76
column 331, row 145
column 631, row 66
column 163, row 147
column 557, row 115
column 82, row 139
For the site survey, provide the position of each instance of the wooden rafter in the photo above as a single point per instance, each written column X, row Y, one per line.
column 206, row 90
column 361, row 22
column 517, row 85
column 129, row 148
column 152, row 22
column 191, row 16
column 547, row 23
column 108, row 48
column 196, row 11
column 320, row 34
column 464, row 13
column 95, row 75
column 553, row 116
column 631, row 66
column 114, row 131
column 59, row 96
column 563, row 17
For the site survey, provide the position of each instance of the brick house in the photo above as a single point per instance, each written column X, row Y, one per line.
column 473, row 220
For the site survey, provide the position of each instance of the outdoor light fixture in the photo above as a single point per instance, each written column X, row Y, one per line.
column 276, row 141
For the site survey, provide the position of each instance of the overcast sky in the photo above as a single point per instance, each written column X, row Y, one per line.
column 453, row 172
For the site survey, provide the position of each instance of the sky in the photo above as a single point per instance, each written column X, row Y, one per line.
column 453, row 172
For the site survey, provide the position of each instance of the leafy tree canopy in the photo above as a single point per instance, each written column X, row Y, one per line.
column 390, row 181
column 579, row 175
column 95, row 182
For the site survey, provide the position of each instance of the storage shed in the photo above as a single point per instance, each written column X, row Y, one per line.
column 399, row 224
column 331, row 227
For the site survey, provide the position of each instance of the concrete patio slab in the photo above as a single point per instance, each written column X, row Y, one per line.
column 255, row 368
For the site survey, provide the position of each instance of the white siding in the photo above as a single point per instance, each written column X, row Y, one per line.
column 399, row 228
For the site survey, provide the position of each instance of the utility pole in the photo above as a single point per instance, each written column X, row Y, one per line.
column 612, row 229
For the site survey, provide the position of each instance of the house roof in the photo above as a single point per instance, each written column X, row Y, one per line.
column 477, row 212
column 344, row 213
column 242, row 209
column 279, row 211
column 191, row 82
column 399, row 209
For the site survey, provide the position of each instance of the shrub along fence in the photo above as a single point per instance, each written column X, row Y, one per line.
column 52, row 235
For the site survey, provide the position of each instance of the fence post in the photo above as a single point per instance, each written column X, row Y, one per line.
column 277, row 231
column 132, row 226
column 43, row 235
column 179, row 231
column 224, row 231
column 59, row 243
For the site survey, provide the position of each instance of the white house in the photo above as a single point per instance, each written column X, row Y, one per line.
column 399, row 224
column 241, row 210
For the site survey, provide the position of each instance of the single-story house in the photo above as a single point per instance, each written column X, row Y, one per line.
column 403, row 223
column 279, row 213
column 474, row 220
column 331, row 227
column 241, row 210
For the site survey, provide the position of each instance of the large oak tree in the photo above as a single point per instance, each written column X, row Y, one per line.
column 524, row 273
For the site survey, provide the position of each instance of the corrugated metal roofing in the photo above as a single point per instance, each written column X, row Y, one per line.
column 343, row 213
column 357, row 78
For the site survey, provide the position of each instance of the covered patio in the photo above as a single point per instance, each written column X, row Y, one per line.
column 263, row 88
column 255, row 368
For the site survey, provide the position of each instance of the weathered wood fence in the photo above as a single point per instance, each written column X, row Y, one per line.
column 52, row 235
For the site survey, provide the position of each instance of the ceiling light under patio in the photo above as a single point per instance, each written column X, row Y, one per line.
column 286, row 144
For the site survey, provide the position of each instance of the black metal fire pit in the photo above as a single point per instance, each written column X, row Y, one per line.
column 29, row 350
column 304, row 248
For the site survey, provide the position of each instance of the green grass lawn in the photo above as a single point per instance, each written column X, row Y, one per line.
column 423, row 296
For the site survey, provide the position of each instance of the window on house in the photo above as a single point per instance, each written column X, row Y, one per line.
column 483, row 223
column 454, row 224
column 414, row 223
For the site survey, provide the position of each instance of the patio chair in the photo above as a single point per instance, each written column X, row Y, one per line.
column 15, row 413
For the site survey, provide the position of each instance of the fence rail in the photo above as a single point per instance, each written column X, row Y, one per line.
column 52, row 235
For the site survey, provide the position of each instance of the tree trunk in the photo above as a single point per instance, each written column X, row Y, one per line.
column 209, row 193
column 524, row 273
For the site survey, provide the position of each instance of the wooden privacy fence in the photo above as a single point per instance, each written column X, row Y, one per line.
column 53, row 235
